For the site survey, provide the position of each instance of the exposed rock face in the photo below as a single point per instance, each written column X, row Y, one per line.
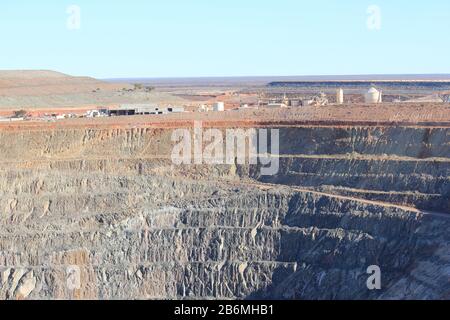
column 406, row 166
column 104, row 214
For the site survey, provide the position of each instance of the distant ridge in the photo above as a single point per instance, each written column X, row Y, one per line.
column 46, row 88
column 46, row 82
column 264, row 80
column 31, row 74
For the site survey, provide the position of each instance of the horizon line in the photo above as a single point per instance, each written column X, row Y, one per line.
column 408, row 76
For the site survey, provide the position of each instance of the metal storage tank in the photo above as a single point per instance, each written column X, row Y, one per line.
column 340, row 96
column 374, row 96
column 219, row 106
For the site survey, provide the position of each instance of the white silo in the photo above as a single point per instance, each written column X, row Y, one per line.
column 219, row 106
column 340, row 96
column 374, row 96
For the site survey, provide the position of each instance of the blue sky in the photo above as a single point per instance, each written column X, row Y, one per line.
column 182, row 38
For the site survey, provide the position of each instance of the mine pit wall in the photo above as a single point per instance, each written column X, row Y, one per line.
column 402, row 165
column 215, row 243
column 111, row 203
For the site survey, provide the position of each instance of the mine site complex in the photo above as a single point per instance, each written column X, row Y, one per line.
column 88, row 187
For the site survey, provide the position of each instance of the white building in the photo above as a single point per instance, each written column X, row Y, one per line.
column 143, row 109
column 175, row 109
column 89, row 114
column 340, row 96
column 219, row 106
column 374, row 96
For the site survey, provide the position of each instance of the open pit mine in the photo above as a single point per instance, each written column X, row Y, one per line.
column 96, row 209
